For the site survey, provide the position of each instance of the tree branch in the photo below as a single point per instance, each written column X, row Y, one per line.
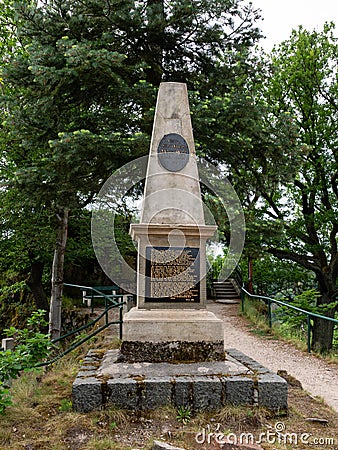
column 303, row 260
column 333, row 242
column 334, row 180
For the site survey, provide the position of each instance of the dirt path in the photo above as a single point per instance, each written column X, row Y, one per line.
column 317, row 377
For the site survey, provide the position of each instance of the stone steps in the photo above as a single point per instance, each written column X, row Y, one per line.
column 225, row 292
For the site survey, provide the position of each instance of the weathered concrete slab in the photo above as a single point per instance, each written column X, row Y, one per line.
column 200, row 386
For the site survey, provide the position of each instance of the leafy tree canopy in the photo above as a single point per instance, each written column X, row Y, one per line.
column 296, row 219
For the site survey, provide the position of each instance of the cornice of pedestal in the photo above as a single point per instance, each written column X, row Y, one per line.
column 160, row 229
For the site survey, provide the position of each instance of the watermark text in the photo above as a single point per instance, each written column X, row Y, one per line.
column 276, row 435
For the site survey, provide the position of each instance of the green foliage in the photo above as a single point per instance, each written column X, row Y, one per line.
column 112, row 425
column 66, row 405
column 78, row 100
column 306, row 301
column 16, row 303
column 20, row 243
column 5, row 397
column 272, row 277
column 82, row 91
column 183, row 415
column 257, row 313
column 8, row 291
column 216, row 267
column 291, row 197
column 286, row 322
column 30, row 348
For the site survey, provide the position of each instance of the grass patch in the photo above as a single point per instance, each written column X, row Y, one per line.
column 240, row 416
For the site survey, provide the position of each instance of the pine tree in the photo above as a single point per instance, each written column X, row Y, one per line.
column 83, row 90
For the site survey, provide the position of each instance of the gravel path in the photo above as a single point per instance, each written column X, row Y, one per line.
column 316, row 376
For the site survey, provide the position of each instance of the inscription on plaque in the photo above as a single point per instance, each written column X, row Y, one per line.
column 173, row 152
column 172, row 274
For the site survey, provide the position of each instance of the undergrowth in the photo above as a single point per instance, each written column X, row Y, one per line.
column 30, row 347
column 291, row 331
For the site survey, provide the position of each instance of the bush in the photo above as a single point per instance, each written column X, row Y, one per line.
column 16, row 305
column 30, row 347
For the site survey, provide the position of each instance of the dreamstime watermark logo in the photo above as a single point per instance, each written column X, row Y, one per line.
column 275, row 435
column 117, row 196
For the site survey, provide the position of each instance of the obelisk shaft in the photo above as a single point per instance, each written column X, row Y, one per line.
column 171, row 237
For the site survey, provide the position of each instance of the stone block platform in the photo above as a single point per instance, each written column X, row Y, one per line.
column 205, row 386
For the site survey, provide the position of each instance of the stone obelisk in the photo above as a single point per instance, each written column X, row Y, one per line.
column 170, row 321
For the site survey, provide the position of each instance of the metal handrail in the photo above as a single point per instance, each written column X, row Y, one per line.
column 81, row 341
column 110, row 303
column 270, row 300
column 108, row 299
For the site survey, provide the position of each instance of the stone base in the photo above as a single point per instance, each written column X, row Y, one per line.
column 171, row 325
column 103, row 382
column 175, row 351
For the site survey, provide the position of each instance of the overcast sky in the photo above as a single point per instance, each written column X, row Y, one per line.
column 280, row 17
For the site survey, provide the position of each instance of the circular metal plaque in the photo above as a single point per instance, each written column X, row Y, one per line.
column 173, row 152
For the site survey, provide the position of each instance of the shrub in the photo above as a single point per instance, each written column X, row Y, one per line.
column 31, row 347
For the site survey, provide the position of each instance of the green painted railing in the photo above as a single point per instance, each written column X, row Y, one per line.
column 111, row 301
column 309, row 315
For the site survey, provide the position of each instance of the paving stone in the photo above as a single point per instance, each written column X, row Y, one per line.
column 247, row 361
column 84, row 373
column 124, row 393
column 157, row 393
column 89, row 366
column 86, row 394
column 238, row 390
column 273, row 392
column 207, row 393
column 183, row 392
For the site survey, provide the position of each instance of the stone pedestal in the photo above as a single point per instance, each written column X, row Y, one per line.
column 104, row 382
column 162, row 325
column 172, row 335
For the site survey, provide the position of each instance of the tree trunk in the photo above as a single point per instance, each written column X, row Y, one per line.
column 155, row 37
column 57, row 276
column 34, row 282
column 322, row 334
